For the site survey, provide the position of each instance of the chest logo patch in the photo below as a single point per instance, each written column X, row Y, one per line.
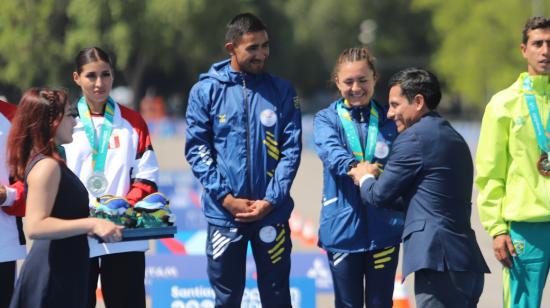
column 268, row 117
column 114, row 142
column 221, row 118
column 519, row 121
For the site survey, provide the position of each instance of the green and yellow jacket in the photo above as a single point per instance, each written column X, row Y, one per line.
column 510, row 186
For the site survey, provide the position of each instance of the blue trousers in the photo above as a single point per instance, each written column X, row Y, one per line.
column 364, row 277
column 226, row 252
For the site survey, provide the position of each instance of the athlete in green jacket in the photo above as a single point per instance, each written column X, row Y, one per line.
column 513, row 175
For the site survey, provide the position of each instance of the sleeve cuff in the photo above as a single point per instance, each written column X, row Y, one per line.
column 11, row 194
column 221, row 194
column 271, row 201
column 364, row 178
column 501, row 229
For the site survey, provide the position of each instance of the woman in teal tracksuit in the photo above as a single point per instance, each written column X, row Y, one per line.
column 362, row 242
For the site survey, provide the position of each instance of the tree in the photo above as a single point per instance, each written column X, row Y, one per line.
column 478, row 51
column 165, row 44
column 31, row 42
column 39, row 39
column 163, row 35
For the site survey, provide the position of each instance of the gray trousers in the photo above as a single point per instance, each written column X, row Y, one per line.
column 447, row 289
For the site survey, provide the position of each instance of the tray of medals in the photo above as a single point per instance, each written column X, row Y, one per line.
column 150, row 218
column 136, row 234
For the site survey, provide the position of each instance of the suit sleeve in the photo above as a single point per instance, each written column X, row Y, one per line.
column 328, row 145
column 491, row 163
column 199, row 149
column 278, row 188
column 18, row 207
column 402, row 170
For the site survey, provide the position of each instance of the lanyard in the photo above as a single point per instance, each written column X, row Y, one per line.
column 99, row 148
column 529, row 95
column 351, row 133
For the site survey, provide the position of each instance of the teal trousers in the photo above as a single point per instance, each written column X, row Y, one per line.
column 524, row 282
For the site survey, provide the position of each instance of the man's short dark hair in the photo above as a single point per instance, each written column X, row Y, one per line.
column 415, row 81
column 241, row 24
column 537, row 22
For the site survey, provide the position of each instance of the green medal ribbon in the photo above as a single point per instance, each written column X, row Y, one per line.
column 351, row 133
column 99, row 149
column 541, row 134
column 61, row 151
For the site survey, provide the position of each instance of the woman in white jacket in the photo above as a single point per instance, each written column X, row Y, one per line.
column 112, row 154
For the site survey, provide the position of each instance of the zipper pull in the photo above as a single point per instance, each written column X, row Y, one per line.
column 244, row 89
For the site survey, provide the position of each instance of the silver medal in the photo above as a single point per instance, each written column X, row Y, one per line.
column 97, row 184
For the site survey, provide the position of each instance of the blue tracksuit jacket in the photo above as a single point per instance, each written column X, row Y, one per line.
column 243, row 137
column 346, row 224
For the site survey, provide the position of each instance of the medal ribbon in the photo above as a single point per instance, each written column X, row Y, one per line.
column 99, row 149
column 351, row 133
column 541, row 134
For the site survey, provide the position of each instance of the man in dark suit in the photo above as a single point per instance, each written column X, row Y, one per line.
column 429, row 173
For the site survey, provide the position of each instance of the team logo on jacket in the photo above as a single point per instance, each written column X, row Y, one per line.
column 519, row 121
column 382, row 149
column 268, row 234
column 519, row 246
column 296, row 101
column 268, row 117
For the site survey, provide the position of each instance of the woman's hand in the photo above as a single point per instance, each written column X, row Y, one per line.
column 107, row 230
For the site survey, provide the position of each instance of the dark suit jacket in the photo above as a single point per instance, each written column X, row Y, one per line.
column 430, row 168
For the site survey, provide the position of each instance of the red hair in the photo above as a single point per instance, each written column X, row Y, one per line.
column 33, row 128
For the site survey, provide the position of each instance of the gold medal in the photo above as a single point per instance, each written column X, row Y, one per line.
column 543, row 165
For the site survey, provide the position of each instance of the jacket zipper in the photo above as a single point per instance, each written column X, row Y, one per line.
column 247, row 126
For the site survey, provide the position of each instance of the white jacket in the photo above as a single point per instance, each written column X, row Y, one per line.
column 12, row 244
column 131, row 166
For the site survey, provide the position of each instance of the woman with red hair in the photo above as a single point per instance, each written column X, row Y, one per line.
column 55, row 273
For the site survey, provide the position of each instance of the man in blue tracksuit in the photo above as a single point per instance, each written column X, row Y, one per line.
column 243, row 142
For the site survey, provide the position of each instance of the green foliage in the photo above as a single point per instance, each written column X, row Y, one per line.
column 165, row 44
column 478, row 52
column 39, row 39
column 31, row 42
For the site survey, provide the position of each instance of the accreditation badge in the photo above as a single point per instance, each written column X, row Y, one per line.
column 268, row 117
column 543, row 165
column 268, row 234
column 382, row 150
column 97, row 184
